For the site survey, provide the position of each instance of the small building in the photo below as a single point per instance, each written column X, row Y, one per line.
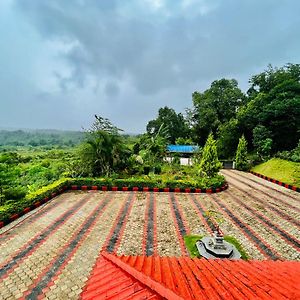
column 182, row 149
column 184, row 152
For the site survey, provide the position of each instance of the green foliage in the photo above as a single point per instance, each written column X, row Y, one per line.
column 33, row 177
column 157, row 169
column 29, row 170
column 151, row 181
column 15, row 192
column 191, row 240
column 104, row 151
column 9, row 173
column 293, row 155
column 241, row 159
column 190, row 243
column 274, row 102
column 210, row 164
column 7, row 210
column 197, row 156
column 46, row 191
column 262, row 141
column 214, row 107
column 151, row 150
column 146, row 169
column 175, row 159
column 184, row 141
column 174, row 125
column 12, row 207
column 228, row 136
column 232, row 240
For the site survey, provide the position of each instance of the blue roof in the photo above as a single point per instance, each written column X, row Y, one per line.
column 182, row 148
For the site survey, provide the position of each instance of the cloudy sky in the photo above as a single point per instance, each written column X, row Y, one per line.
column 62, row 61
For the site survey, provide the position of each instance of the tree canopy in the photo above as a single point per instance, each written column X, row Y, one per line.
column 274, row 102
column 214, row 107
column 175, row 126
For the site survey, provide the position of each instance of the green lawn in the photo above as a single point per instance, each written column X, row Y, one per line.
column 279, row 169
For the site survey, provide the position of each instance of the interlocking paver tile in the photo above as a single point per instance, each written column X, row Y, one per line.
column 80, row 250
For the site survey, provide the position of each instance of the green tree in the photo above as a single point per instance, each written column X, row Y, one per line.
column 214, row 107
column 210, row 164
column 152, row 148
column 241, row 155
column 274, row 102
column 174, row 124
column 228, row 137
column 184, row 141
column 103, row 151
column 262, row 141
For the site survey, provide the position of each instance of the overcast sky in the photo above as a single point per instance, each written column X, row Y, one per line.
column 62, row 61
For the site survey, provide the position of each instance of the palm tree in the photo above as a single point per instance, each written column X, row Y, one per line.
column 103, row 152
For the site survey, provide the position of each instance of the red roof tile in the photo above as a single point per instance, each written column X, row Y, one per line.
column 154, row 277
column 108, row 281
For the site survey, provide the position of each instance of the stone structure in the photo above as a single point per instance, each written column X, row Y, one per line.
column 216, row 247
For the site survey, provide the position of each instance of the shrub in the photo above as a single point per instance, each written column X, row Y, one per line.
column 15, row 193
column 176, row 159
column 241, row 155
column 46, row 191
column 146, row 170
column 13, row 207
column 293, row 155
column 157, row 169
column 210, row 164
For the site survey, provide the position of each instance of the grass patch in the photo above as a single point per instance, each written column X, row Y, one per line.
column 282, row 170
column 233, row 241
column 190, row 243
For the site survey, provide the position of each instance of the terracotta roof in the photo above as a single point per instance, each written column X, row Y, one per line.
column 154, row 277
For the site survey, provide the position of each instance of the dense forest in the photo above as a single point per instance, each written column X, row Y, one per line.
column 250, row 127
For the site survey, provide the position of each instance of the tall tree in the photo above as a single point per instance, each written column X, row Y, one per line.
column 214, row 107
column 262, row 141
column 228, row 137
column 174, row 125
column 103, row 151
column 274, row 102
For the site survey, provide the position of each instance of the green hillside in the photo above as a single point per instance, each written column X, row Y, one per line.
column 282, row 170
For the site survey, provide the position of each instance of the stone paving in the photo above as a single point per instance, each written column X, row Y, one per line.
column 49, row 253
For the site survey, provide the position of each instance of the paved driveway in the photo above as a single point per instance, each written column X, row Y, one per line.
column 50, row 253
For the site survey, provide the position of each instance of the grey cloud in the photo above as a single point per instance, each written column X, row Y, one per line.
column 135, row 53
column 232, row 37
column 111, row 89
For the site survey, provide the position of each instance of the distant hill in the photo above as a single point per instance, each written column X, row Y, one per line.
column 40, row 137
